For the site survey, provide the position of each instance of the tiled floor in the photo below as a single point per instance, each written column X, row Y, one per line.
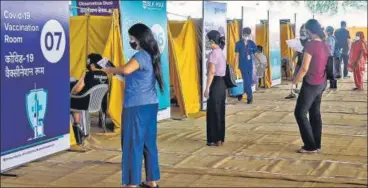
column 261, row 140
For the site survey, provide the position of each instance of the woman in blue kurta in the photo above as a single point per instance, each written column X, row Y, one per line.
column 139, row 117
column 244, row 49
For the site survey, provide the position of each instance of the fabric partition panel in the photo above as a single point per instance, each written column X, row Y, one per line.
column 176, row 27
column 233, row 36
column 185, row 51
column 283, row 37
column 114, row 51
column 275, row 51
column 154, row 15
column 78, row 45
column 98, row 31
column 175, row 84
column 88, row 34
column 354, row 30
column 263, row 40
column 214, row 18
column 286, row 33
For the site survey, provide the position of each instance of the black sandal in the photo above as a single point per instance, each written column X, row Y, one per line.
column 143, row 185
column 240, row 97
column 212, row 144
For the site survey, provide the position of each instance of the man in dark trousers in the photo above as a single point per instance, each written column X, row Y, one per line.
column 342, row 36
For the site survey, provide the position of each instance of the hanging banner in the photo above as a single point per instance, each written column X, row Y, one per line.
column 275, row 47
column 153, row 14
column 97, row 7
column 34, row 80
column 214, row 18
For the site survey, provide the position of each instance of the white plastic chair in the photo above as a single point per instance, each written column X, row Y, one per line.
column 96, row 94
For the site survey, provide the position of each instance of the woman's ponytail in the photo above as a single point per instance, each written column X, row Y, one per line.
column 222, row 43
column 322, row 34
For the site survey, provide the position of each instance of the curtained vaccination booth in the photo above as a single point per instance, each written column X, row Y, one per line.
column 263, row 40
column 286, row 33
column 184, row 65
column 98, row 34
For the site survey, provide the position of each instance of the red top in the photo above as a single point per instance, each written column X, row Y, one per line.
column 355, row 50
column 316, row 74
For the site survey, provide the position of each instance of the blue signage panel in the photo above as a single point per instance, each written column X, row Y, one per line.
column 275, row 46
column 153, row 14
column 34, row 80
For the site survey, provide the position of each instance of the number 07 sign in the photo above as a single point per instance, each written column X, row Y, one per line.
column 34, row 80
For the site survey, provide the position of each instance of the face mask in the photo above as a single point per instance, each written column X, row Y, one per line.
column 246, row 37
column 303, row 37
column 357, row 38
column 209, row 44
column 133, row 44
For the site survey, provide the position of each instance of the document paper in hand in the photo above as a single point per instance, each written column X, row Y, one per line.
column 105, row 63
column 295, row 44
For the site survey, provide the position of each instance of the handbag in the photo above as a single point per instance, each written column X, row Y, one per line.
column 230, row 77
column 330, row 68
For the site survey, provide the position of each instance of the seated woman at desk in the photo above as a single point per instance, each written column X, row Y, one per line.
column 94, row 76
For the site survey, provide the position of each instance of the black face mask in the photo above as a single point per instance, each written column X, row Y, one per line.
column 133, row 45
column 303, row 42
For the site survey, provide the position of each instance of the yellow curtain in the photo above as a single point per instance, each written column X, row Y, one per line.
column 88, row 34
column 175, row 84
column 78, row 45
column 263, row 40
column 184, row 64
column 114, row 51
column 176, row 27
column 286, row 33
column 354, row 30
column 233, row 36
column 98, row 32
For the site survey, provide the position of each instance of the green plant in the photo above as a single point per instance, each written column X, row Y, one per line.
column 355, row 5
column 323, row 7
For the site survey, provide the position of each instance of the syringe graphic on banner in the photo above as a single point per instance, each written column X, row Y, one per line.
column 36, row 101
column 104, row 63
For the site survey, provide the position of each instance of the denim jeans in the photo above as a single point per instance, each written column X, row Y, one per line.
column 309, row 101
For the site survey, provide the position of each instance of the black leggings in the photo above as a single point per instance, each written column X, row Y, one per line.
column 216, row 110
column 309, row 101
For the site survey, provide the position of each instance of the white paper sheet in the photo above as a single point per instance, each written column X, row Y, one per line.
column 295, row 44
column 105, row 63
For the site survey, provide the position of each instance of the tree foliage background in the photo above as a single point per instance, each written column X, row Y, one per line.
column 332, row 7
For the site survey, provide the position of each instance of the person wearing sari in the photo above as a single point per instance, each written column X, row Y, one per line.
column 357, row 60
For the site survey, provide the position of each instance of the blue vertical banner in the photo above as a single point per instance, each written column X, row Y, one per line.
column 153, row 14
column 34, row 80
column 214, row 18
column 275, row 46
